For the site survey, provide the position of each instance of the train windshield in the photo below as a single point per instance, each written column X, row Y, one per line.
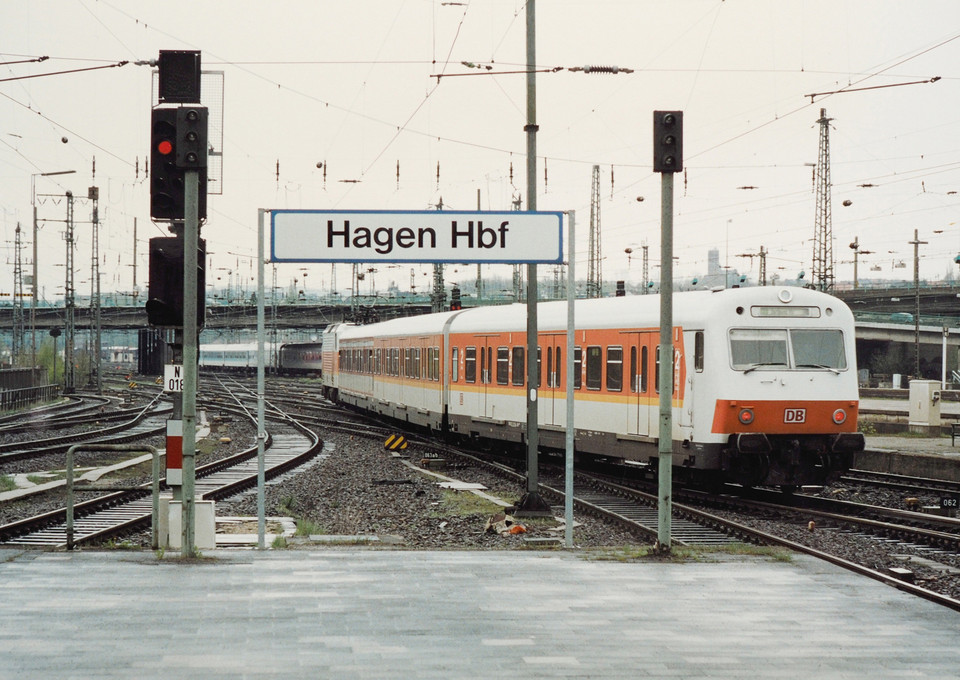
column 792, row 349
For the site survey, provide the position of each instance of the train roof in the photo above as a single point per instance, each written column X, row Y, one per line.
column 425, row 324
column 231, row 346
column 694, row 308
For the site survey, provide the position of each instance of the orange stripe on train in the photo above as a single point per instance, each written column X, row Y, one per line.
column 785, row 417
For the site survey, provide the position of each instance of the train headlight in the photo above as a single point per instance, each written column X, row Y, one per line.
column 839, row 416
column 746, row 416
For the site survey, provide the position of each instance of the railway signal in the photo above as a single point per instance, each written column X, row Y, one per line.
column 166, row 179
column 667, row 141
column 165, row 292
column 178, row 142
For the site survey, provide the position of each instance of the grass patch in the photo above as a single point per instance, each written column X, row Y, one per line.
column 279, row 543
column 306, row 527
column 7, row 483
column 206, row 446
column 464, row 503
column 682, row 554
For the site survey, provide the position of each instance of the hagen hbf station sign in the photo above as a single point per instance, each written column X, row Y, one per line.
column 416, row 236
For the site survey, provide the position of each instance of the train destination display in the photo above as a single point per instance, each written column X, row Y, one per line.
column 416, row 236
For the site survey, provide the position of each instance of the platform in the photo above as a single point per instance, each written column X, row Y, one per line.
column 372, row 613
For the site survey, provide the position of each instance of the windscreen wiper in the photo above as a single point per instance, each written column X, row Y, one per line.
column 828, row 368
column 754, row 367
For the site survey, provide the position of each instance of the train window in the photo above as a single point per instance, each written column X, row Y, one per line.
column 483, row 365
column 615, row 369
column 643, row 369
column 539, row 363
column 753, row 348
column 549, row 366
column 470, row 364
column 577, row 368
column 417, row 365
column 656, row 372
column 455, row 364
column 407, row 362
column 816, row 348
column 377, row 357
column 558, row 372
column 503, row 365
column 369, row 361
column 517, row 373
column 436, row 363
column 489, row 364
column 594, row 367
column 698, row 351
column 634, row 376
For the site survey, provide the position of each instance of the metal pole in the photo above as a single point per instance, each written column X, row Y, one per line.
column 191, row 230
column 916, row 286
column 943, row 360
column 33, row 305
column 261, row 426
column 532, row 503
column 856, row 251
column 665, row 445
column 571, row 428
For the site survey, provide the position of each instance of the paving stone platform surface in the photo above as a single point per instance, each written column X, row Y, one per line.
column 372, row 613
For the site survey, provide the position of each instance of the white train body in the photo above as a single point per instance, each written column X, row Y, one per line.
column 234, row 356
column 764, row 379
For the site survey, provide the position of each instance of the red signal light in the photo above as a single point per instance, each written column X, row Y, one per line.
column 165, row 147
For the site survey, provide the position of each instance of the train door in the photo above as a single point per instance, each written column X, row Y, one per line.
column 553, row 389
column 485, row 367
column 694, row 339
column 637, row 369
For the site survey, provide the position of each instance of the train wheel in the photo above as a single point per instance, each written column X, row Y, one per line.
column 751, row 469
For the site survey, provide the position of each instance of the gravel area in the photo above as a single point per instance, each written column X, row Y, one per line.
column 357, row 488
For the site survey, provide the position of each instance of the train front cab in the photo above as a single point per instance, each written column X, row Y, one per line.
column 788, row 405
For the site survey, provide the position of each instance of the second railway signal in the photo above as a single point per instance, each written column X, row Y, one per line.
column 165, row 295
column 667, row 141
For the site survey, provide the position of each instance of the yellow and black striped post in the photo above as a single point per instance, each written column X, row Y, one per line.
column 395, row 442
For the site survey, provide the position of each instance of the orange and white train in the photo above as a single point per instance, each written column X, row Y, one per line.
column 764, row 379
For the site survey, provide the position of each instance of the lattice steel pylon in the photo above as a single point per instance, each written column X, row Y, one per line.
column 69, row 304
column 823, row 277
column 594, row 275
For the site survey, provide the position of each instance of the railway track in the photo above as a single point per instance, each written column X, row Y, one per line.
column 137, row 424
column 907, row 483
column 119, row 512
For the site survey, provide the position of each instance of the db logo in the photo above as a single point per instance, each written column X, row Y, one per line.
column 794, row 415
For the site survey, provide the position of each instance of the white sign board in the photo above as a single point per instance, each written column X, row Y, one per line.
column 416, row 236
column 173, row 378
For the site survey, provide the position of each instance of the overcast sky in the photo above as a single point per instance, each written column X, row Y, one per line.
column 353, row 86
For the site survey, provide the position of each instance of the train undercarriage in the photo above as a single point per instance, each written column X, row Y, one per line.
column 789, row 462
